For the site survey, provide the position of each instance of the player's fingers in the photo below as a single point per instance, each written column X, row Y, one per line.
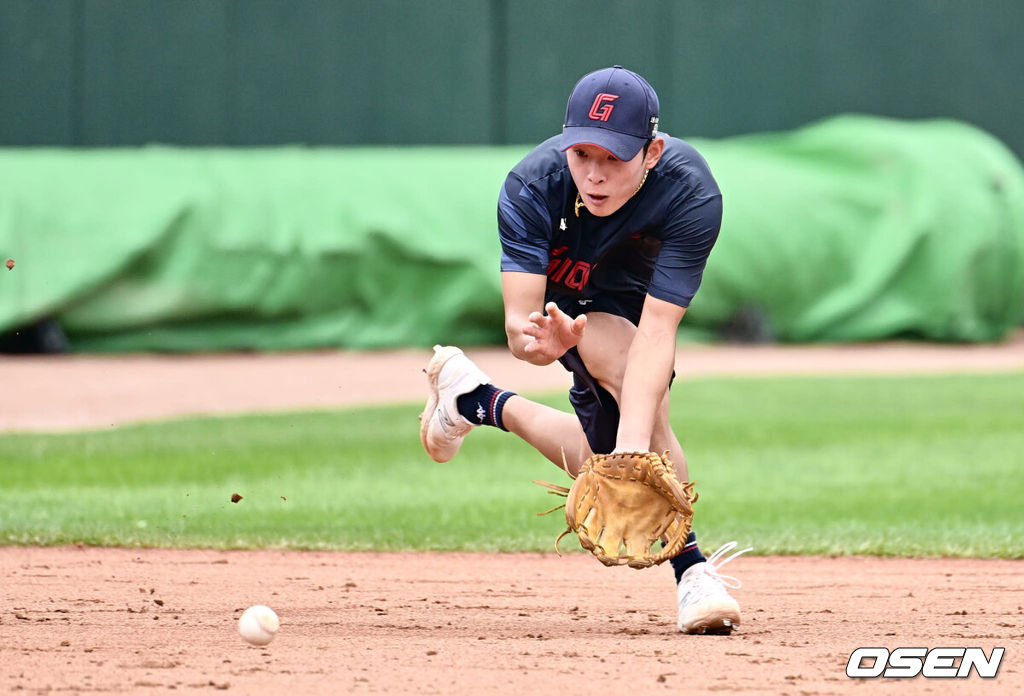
column 552, row 309
column 579, row 324
column 532, row 330
column 536, row 318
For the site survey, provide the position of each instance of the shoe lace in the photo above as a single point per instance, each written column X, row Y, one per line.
column 716, row 561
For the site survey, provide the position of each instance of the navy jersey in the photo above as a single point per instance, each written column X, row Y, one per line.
column 657, row 243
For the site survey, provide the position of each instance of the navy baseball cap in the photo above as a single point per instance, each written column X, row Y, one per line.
column 613, row 108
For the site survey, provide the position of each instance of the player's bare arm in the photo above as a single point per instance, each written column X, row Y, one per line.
column 538, row 337
column 649, row 366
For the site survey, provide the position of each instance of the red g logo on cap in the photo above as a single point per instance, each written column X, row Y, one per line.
column 602, row 107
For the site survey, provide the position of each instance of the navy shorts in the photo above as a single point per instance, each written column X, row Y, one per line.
column 595, row 407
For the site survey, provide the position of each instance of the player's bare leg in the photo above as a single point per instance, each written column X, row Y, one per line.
column 555, row 434
column 604, row 348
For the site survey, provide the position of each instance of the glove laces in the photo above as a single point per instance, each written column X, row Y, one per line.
column 716, row 561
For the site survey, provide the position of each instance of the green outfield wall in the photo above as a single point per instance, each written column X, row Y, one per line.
column 350, row 72
column 853, row 228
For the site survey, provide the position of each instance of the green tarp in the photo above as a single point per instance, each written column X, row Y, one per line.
column 859, row 229
column 854, row 228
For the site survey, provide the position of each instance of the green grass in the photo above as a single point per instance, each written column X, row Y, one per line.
column 885, row 465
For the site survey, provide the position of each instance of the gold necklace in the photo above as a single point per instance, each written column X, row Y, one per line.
column 646, row 172
column 579, row 201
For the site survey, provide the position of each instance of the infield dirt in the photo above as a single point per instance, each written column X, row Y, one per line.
column 152, row 620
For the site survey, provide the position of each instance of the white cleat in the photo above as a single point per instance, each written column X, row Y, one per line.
column 705, row 606
column 451, row 374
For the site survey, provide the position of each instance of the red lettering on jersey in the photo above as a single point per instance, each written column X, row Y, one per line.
column 602, row 106
column 558, row 272
column 578, row 277
column 574, row 274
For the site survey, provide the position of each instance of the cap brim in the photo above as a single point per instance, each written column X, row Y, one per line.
column 622, row 146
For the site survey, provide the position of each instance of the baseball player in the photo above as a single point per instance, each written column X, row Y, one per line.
column 605, row 230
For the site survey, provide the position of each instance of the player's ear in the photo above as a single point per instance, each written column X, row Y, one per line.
column 654, row 151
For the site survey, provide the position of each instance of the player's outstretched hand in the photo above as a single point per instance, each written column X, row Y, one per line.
column 553, row 333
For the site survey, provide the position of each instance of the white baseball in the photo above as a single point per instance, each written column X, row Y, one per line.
column 258, row 624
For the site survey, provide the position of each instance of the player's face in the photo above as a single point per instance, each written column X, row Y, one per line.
column 604, row 182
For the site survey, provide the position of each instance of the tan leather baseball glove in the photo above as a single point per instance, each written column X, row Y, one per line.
column 622, row 504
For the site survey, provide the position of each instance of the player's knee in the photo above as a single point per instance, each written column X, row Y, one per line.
column 608, row 372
